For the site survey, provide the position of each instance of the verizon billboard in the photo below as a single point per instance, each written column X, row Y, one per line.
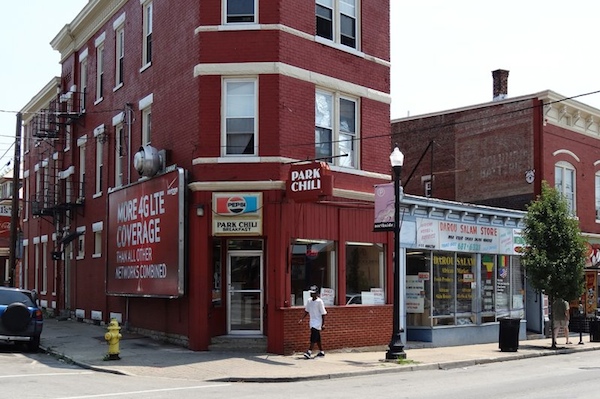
column 146, row 238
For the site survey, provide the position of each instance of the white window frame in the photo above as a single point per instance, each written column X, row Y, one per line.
column 81, row 243
column 44, row 242
column 83, row 78
column 81, row 143
column 26, row 194
column 231, row 111
column 24, row 273
column 231, row 19
column 338, row 145
column 100, row 135
column 145, row 105
column 562, row 172
column 97, row 228
column 337, row 11
column 119, row 28
column 119, row 154
column 147, row 10
column 597, row 190
column 100, row 67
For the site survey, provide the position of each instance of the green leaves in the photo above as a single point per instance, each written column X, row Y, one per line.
column 555, row 257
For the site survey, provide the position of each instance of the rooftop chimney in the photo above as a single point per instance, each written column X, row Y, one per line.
column 500, row 84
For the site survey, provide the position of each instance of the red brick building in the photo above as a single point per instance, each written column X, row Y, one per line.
column 498, row 153
column 157, row 169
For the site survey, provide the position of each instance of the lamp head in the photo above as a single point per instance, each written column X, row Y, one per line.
column 396, row 157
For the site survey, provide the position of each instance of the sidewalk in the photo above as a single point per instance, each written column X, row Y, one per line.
column 83, row 344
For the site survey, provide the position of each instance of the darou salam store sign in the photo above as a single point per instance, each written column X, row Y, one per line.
column 464, row 237
column 237, row 214
column 145, row 237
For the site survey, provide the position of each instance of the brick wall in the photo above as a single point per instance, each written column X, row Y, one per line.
column 345, row 327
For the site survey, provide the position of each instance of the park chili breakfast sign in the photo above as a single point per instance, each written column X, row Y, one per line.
column 145, row 237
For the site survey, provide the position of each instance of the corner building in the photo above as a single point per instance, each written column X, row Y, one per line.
column 198, row 165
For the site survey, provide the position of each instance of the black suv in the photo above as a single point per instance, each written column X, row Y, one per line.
column 21, row 319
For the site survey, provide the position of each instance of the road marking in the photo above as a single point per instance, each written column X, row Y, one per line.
column 106, row 395
column 44, row 374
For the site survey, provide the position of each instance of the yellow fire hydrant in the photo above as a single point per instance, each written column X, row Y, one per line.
column 113, row 337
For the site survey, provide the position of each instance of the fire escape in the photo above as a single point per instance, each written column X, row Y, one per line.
column 56, row 193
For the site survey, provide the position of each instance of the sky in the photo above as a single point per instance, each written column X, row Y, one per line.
column 442, row 52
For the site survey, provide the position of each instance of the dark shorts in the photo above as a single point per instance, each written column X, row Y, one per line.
column 315, row 335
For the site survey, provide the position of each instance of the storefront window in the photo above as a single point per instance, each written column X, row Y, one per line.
column 443, row 288
column 465, row 282
column 418, row 288
column 313, row 263
column 510, row 287
column 488, row 282
column 217, row 271
column 365, row 274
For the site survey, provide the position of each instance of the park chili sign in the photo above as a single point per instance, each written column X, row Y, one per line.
column 309, row 181
column 146, row 236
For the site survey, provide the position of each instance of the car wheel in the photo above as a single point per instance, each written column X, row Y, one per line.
column 34, row 344
column 16, row 317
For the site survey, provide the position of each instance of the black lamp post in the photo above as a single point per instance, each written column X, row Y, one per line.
column 396, row 347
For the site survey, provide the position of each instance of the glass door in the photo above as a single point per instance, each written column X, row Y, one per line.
column 245, row 299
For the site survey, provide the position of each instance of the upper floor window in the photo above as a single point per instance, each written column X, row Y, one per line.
column 147, row 37
column 336, row 133
column 119, row 28
column 119, row 55
column 597, row 179
column 145, row 105
column 240, row 117
column 81, row 142
column 99, row 72
column 119, row 154
column 337, row 21
column 564, row 182
column 83, row 77
column 241, row 11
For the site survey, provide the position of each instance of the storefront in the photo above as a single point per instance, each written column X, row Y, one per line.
column 463, row 270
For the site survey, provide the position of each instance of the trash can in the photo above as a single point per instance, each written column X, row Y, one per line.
column 594, row 330
column 509, row 334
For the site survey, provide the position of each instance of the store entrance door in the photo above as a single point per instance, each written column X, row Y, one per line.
column 245, row 299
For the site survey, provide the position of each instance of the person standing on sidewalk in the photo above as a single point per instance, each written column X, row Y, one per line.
column 315, row 308
column 560, row 311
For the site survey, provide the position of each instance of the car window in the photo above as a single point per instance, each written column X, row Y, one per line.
column 8, row 296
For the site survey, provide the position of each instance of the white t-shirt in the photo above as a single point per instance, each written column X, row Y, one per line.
column 315, row 309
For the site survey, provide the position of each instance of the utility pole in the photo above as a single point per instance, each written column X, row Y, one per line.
column 14, row 212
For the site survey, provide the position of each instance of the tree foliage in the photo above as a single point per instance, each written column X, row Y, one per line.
column 554, row 257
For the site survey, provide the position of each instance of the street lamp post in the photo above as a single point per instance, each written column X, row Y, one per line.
column 396, row 347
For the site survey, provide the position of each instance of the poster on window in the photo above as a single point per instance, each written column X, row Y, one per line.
column 415, row 294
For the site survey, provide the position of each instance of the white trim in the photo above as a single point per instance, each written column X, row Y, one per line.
column 26, row 242
column 44, row 238
column 36, row 240
column 26, row 174
column 99, row 130
column 263, row 68
column 555, row 153
column 83, row 54
column 81, row 141
column 67, row 172
column 55, row 156
column 98, row 226
column 118, row 119
column 80, row 229
column 119, row 21
column 146, row 101
column 100, row 39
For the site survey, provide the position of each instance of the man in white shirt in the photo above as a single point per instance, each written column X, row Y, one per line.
column 315, row 308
